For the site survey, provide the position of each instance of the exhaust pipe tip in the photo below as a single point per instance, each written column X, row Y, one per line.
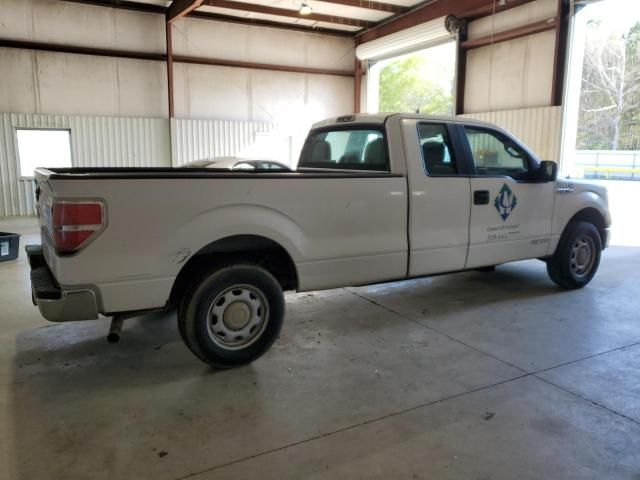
column 115, row 329
column 113, row 337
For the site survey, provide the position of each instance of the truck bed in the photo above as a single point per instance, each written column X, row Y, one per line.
column 339, row 228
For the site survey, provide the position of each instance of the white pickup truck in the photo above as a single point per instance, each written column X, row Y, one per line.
column 375, row 198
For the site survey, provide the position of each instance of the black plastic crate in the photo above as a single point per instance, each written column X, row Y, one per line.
column 9, row 245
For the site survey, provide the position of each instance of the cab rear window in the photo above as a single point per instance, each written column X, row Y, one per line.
column 353, row 149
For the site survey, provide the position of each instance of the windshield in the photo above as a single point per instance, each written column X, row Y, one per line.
column 354, row 149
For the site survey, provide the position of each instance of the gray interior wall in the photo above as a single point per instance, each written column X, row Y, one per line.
column 198, row 139
column 58, row 83
column 293, row 101
column 539, row 128
column 44, row 82
column 513, row 74
column 95, row 142
column 52, row 89
column 510, row 83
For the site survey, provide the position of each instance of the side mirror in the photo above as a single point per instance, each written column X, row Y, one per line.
column 548, row 172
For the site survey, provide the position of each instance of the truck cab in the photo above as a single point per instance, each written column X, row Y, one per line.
column 478, row 196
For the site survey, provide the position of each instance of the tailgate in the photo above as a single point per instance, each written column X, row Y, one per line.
column 68, row 222
column 44, row 196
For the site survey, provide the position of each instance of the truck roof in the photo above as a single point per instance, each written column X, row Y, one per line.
column 381, row 118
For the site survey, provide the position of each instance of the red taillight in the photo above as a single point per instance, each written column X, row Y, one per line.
column 75, row 223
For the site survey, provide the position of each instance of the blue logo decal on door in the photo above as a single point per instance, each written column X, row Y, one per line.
column 505, row 202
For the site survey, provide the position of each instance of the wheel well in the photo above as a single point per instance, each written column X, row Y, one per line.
column 262, row 251
column 594, row 217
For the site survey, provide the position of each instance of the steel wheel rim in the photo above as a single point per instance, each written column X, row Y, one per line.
column 582, row 257
column 237, row 317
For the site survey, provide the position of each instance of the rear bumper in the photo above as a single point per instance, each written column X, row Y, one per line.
column 57, row 304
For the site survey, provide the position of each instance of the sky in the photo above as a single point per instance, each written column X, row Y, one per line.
column 619, row 15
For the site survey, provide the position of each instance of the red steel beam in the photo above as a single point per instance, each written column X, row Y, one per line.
column 102, row 52
column 180, row 8
column 512, row 34
column 371, row 5
column 283, row 25
column 157, row 9
column 286, row 12
column 169, row 34
column 357, row 87
column 560, row 52
column 124, row 5
column 487, row 10
column 429, row 10
column 461, row 71
column 260, row 66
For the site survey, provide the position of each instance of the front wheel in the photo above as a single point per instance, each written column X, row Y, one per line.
column 577, row 257
column 232, row 315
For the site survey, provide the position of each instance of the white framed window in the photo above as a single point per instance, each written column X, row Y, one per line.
column 43, row 147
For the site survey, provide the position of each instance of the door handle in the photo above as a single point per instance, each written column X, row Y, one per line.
column 481, row 197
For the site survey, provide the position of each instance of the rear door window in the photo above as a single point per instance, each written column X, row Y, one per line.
column 435, row 146
column 354, row 149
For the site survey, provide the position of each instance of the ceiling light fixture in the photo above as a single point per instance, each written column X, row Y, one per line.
column 305, row 9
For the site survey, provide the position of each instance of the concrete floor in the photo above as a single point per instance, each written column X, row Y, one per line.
column 470, row 376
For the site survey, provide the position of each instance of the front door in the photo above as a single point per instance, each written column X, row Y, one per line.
column 510, row 212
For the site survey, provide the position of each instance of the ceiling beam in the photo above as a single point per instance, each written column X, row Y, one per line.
column 370, row 5
column 426, row 11
column 157, row 9
column 180, row 8
column 124, row 5
column 286, row 12
column 488, row 9
column 219, row 17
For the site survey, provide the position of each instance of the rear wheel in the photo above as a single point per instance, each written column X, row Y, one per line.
column 577, row 257
column 232, row 315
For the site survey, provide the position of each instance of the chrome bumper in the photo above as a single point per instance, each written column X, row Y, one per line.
column 54, row 303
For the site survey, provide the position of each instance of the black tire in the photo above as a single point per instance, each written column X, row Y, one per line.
column 577, row 256
column 231, row 294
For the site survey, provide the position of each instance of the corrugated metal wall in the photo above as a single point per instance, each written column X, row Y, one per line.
column 95, row 142
column 199, row 139
column 539, row 128
column 147, row 142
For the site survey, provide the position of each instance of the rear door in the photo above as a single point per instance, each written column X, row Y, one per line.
column 510, row 211
column 440, row 198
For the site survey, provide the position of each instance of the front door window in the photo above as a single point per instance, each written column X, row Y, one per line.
column 495, row 154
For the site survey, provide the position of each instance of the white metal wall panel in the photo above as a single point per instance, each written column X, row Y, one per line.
column 95, row 142
column 539, row 128
column 199, row 139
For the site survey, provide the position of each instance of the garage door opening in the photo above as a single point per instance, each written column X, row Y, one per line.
column 417, row 82
column 602, row 117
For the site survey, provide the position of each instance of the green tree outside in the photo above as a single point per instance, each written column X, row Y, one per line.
column 609, row 116
column 405, row 87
